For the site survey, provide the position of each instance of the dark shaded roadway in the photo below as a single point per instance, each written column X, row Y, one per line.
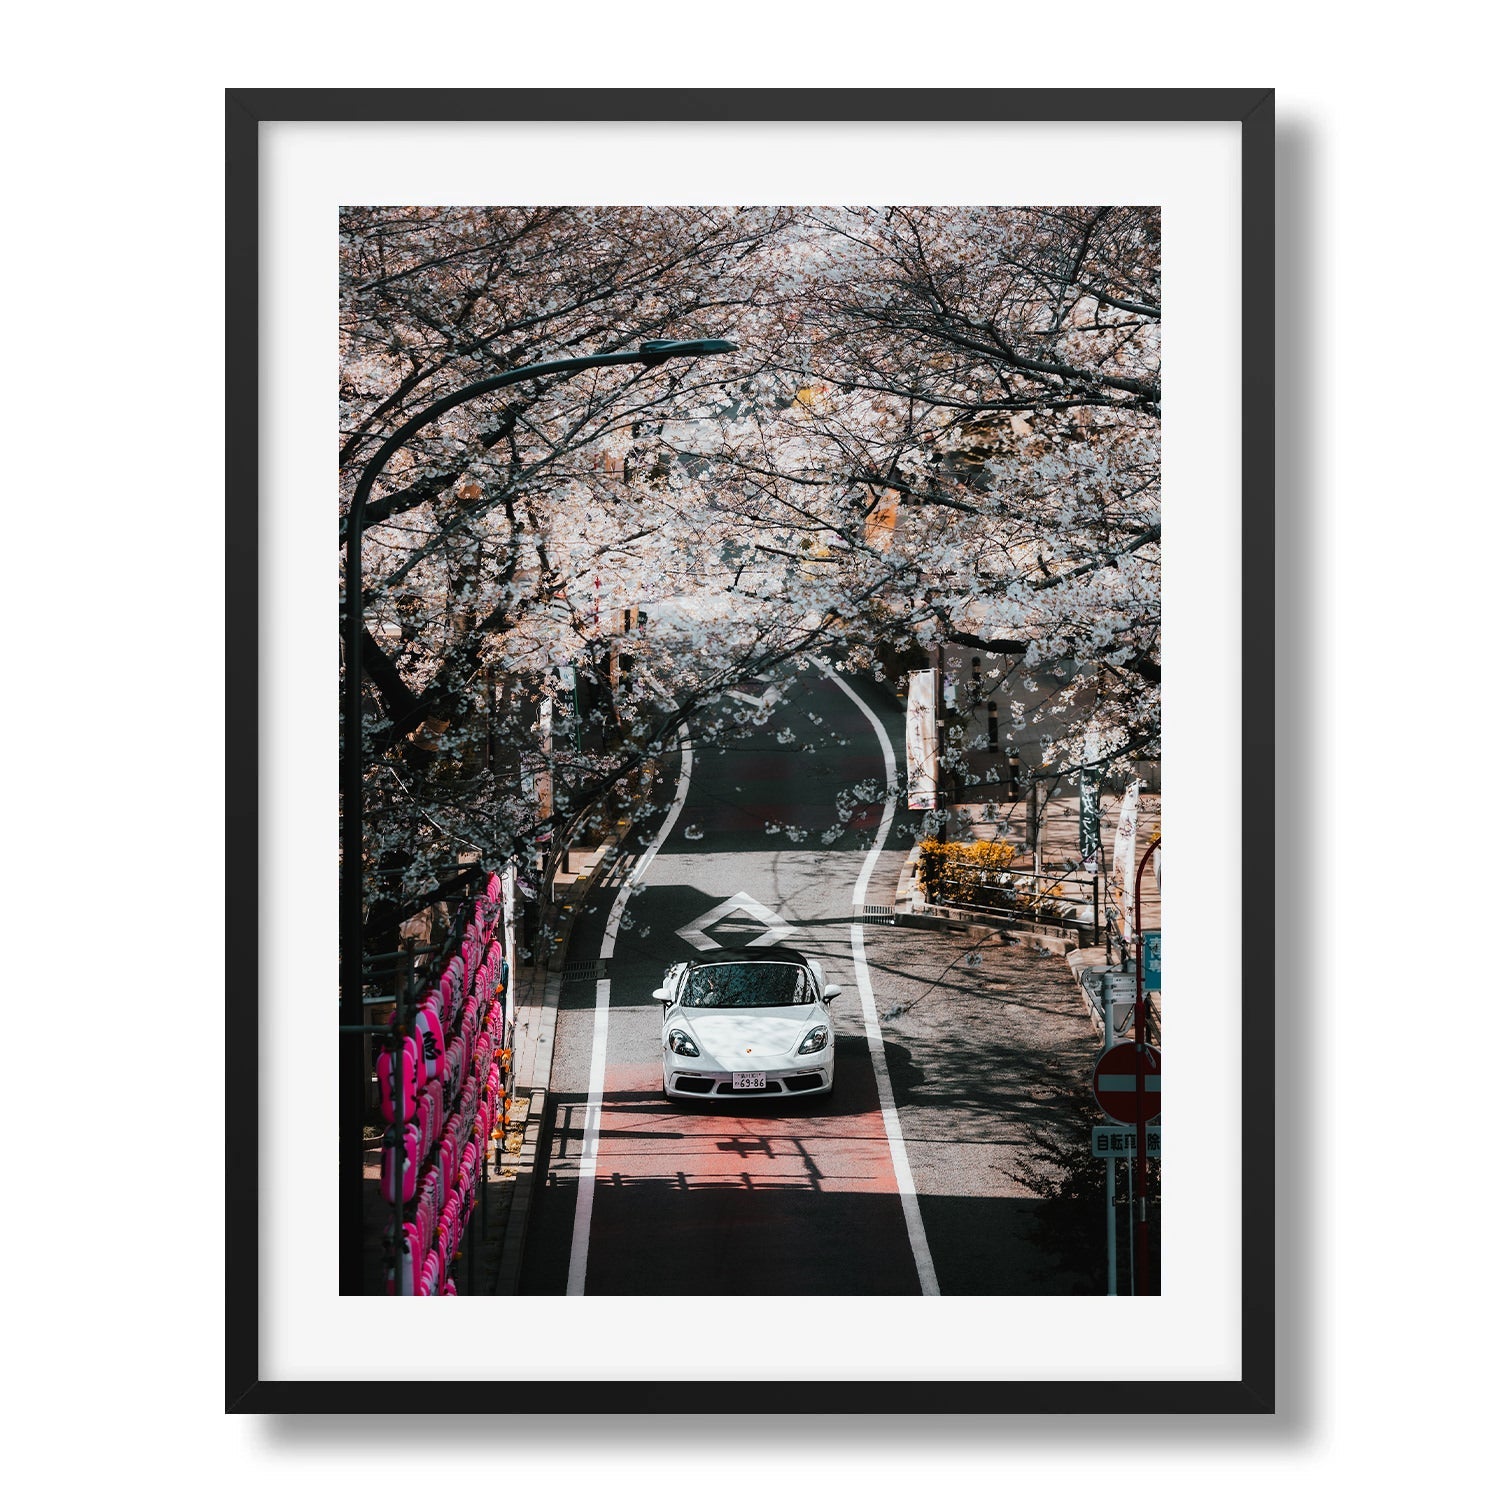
column 983, row 1039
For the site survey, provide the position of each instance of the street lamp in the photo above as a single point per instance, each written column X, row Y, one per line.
column 351, row 774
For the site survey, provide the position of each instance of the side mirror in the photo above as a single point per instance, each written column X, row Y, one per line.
column 830, row 991
column 663, row 994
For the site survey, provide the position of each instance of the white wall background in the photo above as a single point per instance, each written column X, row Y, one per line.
column 113, row 603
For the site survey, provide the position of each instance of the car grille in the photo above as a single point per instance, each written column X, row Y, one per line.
column 798, row 1083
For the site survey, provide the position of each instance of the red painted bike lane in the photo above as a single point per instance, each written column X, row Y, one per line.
column 752, row 1197
column 697, row 1201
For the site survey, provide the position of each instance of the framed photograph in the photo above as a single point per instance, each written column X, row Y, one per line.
column 724, row 586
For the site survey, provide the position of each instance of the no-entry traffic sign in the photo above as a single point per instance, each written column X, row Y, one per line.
column 1114, row 1084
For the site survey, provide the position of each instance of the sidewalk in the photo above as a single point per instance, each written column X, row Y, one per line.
column 1058, row 835
column 531, row 1073
column 536, row 994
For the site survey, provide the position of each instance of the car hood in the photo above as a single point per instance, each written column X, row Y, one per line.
column 743, row 1034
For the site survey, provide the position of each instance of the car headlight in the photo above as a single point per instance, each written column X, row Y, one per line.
column 815, row 1040
column 679, row 1041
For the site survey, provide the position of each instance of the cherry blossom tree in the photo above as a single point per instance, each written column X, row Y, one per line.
column 972, row 445
column 506, row 543
column 941, row 425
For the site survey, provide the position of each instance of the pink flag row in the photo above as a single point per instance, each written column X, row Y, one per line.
column 442, row 1090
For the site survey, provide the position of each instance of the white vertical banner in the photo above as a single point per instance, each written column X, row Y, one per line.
column 508, row 900
column 1122, row 869
column 921, row 740
column 544, row 776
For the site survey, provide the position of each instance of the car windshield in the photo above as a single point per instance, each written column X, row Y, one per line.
column 723, row 986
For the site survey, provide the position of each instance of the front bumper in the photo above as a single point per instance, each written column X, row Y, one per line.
column 807, row 1076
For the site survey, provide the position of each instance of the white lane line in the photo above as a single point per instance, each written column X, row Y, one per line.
column 916, row 1233
column 583, row 1213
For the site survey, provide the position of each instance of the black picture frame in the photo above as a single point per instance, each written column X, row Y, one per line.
column 245, row 111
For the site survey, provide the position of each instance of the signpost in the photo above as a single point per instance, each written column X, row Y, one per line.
column 1143, row 1111
column 1112, row 1144
column 1127, row 1078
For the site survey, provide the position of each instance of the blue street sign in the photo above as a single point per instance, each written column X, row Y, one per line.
column 1151, row 959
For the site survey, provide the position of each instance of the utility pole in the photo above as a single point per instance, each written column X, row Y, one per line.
column 1142, row 1231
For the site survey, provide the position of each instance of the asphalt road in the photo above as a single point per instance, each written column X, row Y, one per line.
column 973, row 1041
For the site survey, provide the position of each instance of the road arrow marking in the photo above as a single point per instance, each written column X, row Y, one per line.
column 772, row 695
column 696, row 933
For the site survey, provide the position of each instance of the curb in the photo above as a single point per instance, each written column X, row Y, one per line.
column 538, row 1018
column 1059, row 940
column 532, row 1043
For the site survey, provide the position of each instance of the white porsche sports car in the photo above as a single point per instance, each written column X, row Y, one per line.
column 745, row 1023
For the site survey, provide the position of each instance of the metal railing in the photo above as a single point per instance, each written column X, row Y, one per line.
column 1069, row 900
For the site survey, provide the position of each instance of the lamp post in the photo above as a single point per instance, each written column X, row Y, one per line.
column 351, row 770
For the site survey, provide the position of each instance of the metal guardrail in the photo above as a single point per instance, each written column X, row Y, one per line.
column 1110, row 995
column 1045, row 900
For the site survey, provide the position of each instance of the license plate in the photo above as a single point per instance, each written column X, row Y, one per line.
column 749, row 1080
